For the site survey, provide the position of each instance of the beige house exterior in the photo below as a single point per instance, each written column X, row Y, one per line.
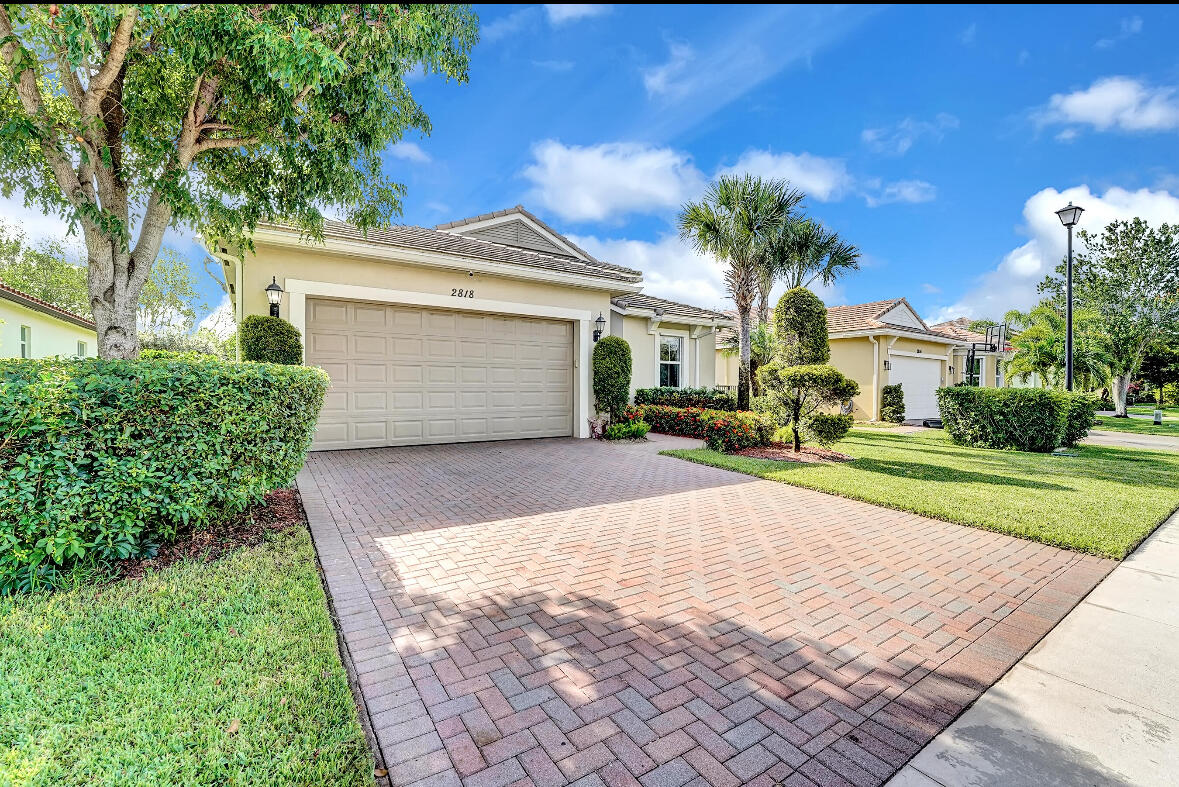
column 479, row 329
column 33, row 328
column 886, row 342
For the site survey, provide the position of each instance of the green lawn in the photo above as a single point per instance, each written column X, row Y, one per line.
column 1170, row 412
column 1169, row 426
column 140, row 682
column 1103, row 501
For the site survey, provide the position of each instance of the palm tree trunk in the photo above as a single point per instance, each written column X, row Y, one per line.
column 744, row 318
column 1121, row 386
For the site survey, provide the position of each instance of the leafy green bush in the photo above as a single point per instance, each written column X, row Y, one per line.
column 627, row 430
column 191, row 356
column 826, row 428
column 202, row 342
column 705, row 398
column 103, row 460
column 723, row 430
column 1026, row 419
column 1080, row 415
column 270, row 340
column 612, row 368
column 892, row 404
column 800, row 328
column 794, row 395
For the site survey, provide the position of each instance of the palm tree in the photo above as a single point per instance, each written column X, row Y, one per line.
column 733, row 223
column 762, row 346
column 802, row 252
column 1039, row 347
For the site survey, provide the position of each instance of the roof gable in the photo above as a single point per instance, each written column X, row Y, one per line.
column 516, row 227
column 901, row 314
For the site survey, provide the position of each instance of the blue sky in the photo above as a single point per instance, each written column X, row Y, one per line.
column 938, row 140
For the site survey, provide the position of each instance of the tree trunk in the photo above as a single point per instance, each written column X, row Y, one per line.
column 743, row 328
column 754, row 385
column 796, row 420
column 1121, row 386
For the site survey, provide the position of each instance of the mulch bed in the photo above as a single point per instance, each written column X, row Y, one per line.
column 784, row 452
column 280, row 510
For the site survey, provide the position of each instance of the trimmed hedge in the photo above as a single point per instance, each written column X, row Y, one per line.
column 105, row 459
column 722, row 430
column 270, row 340
column 612, row 368
column 827, row 428
column 1025, row 419
column 703, row 398
column 892, row 404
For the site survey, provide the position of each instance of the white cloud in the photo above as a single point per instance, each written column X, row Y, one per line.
column 508, row 25
column 1120, row 103
column 560, row 13
column 824, row 179
column 897, row 139
column 669, row 79
column 1129, row 27
column 930, row 289
column 220, row 321
column 35, row 224
column 611, row 179
column 409, row 151
column 968, row 35
column 911, row 191
column 673, row 270
column 1012, row 283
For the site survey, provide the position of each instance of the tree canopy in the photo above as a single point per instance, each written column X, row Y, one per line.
column 125, row 119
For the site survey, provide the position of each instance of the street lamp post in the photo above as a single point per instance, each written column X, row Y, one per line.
column 1069, row 217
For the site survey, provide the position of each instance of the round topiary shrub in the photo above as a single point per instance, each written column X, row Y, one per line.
column 270, row 340
column 800, row 326
column 612, row 368
column 892, row 404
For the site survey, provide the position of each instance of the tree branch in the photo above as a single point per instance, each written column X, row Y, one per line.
column 116, row 55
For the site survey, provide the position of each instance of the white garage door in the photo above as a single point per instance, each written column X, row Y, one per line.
column 405, row 375
column 919, row 379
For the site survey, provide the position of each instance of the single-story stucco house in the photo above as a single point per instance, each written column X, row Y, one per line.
column 886, row 342
column 479, row 329
column 33, row 328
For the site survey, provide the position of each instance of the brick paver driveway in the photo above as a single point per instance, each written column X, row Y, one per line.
column 556, row 611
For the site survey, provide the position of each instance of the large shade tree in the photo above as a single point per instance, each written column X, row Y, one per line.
column 128, row 119
column 733, row 223
column 1129, row 277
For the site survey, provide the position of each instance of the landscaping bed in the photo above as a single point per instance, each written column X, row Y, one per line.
column 1102, row 501
column 784, row 452
column 214, row 662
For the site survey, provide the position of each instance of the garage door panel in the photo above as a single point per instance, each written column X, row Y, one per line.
column 919, row 379
column 403, row 375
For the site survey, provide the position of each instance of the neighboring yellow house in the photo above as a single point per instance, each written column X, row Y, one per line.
column 479, row 329
column 33, row 328
column 886, row 342
column 988, row 365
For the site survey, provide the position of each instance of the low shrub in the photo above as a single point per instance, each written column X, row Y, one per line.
column 826, row 428
column 612, row 369
column 722, row 430
column 627, row 430
column 1026, row 419
column 173, row 355
column 105, row 459
column 703, row 398
column 270, row 340
column 892, row 404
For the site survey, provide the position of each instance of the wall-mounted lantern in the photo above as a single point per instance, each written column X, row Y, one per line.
column 599, row 326
column 887, row 364
column 274, row 295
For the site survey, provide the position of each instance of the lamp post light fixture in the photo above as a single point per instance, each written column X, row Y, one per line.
column 599, row 326
column 1069, row 216
column 274, row 295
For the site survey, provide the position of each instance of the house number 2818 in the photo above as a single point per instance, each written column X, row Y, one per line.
column 459, row 292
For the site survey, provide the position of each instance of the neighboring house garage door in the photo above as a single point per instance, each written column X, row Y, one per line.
column 405, row 375
column 919, row 379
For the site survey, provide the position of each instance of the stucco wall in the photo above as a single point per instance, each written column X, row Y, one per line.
column 727, row 368
column 699, row 367
column 50, row 336
column 853, row 357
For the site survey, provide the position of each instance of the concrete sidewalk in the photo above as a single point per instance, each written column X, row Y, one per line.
column 1151, row 442
column 1095, row 703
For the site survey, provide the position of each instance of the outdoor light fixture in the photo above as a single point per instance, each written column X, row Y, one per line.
column 887, row 364
column 274, row 295
column 599, row 326
column 1069, row 216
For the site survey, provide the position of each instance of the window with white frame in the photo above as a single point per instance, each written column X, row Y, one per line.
column 81, row 349
column 26, row 341
column 998, row 372
column 671, row 354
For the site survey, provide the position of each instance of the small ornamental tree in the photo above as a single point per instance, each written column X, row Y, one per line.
column 795, row 397
column 800, row 328
column 126, row 119
column 612, row 369
column 270, row 340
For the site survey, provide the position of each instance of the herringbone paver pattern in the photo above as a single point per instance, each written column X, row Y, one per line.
column 562, row 611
